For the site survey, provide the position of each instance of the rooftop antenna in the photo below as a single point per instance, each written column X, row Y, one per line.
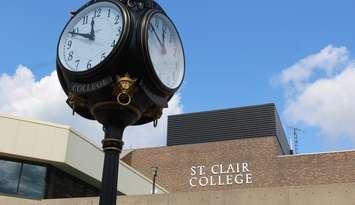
column 291, row 145
column 294, row 145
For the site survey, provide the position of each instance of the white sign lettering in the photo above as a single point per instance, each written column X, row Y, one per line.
column 220, row 175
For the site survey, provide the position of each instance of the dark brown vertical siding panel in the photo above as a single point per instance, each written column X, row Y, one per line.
column 228, row 124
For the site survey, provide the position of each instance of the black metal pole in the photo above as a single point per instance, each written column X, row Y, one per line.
column 155, row 170
column 112, row 146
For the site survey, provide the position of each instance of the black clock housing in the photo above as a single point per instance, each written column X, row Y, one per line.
column 110, row 62
column 146, row 56
column 87, row 89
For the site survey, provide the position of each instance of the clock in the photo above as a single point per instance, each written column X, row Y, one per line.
column 126, row 55
column 163, row 50
column 119, row 62
column 92, row 36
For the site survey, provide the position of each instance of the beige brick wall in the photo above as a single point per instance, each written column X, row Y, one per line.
column 312, row 169
column 265, row 162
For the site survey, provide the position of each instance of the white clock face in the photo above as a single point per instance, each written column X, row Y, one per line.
column 165, row 51
column 91, row 36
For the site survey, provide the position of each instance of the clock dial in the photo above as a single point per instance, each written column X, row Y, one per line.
column 91, row 36
column 165, row 50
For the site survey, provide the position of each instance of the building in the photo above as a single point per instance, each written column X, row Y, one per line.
column 230, row 156
column 44, row 161
column 235, row 149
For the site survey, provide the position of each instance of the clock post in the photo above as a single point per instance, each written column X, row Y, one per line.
column 112, row 146
column 106, row 113
column 119, row 62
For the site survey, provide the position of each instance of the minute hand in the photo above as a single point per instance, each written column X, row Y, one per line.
column 156, row 35
column 92, row 32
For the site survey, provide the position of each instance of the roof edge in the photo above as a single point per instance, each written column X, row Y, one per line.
column 225, row 109
column 31, row 120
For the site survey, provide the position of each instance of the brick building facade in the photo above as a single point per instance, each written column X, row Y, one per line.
column 245, row 162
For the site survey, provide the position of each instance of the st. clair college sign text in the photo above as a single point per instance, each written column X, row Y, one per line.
column 220, row 174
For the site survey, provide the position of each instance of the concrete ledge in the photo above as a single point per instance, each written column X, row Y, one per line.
column 332, row 194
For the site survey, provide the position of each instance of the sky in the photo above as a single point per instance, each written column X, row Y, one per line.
column 299, row 55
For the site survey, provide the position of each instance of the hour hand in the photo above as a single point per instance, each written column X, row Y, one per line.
column 163, row 36
column 85, row 35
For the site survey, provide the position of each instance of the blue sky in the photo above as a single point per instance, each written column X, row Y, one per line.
column 234, row 50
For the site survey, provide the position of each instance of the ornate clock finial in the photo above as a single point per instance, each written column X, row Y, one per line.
column 124, row 89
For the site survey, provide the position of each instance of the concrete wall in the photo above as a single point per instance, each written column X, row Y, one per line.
column 32, row 140
column 334, row 194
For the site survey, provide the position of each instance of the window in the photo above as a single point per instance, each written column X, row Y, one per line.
column 9, row 175
column 32, row 181
column 18, row 178
column 64, row 185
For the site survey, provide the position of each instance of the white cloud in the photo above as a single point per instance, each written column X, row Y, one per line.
column 329, row 60
column 148, row 135
column 22, row 95
column 320, row 92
